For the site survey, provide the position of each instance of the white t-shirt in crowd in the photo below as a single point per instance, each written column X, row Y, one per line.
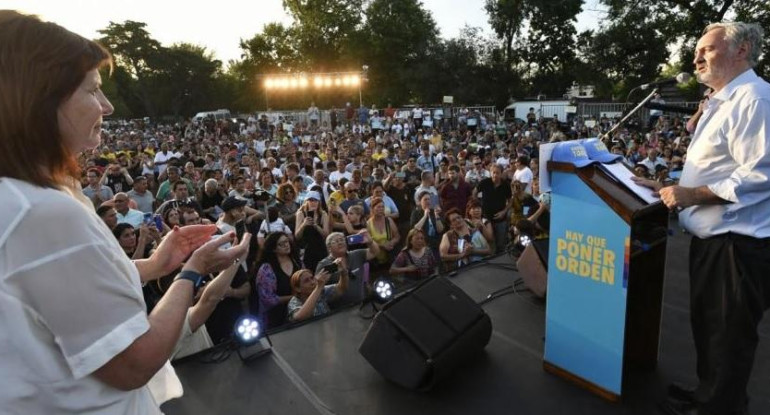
column 70, row 301
column 525, row 176
column 160, row 157
column 275, row 226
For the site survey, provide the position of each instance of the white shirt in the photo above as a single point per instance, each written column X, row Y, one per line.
column 525, row 176
column 160, row 157
column 335, row 176
column 276, row 226
column 70, row 300
column 730, row 153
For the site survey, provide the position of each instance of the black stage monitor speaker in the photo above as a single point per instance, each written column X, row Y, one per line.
column 533, row 266
column 419, row 338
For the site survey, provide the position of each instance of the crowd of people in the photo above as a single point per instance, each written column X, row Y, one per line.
column 405, row 198
column 127, row 271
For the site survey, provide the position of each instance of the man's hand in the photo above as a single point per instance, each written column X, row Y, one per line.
column 648, row 183
column 678, row 197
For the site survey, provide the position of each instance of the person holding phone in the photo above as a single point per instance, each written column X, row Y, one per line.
column 428, row 220
column 340, row 248
column 312, row 295
column 312, row 227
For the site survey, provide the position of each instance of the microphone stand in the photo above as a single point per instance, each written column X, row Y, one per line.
column 629, row 114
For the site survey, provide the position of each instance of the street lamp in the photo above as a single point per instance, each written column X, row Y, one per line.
column 364, row 72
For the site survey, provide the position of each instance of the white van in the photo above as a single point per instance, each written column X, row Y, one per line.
column 218, row 115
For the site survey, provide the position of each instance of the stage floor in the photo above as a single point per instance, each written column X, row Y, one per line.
column 316, row 368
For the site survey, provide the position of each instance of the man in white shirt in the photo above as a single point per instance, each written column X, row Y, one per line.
column 652, row 160
column 162, row 157
column 523, row 173
column 723, row 198
column 313, row 114
column 417, row 117
column 335, row 176
column 127, row 215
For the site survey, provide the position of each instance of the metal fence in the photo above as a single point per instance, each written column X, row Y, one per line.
column 614, row 109
column 299, row 117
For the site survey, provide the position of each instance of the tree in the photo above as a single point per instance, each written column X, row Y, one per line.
column 681, row 22
column 323, row 29
column 506, row 18
column 615, row 61
column 550, row 45
column 396, row 42
column 186, row 79
column 137, row 54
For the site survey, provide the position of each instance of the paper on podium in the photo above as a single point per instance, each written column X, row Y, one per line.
column 622, row 174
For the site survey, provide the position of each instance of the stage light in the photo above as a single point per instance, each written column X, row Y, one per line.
column 303, row 82
column 525, row 240
column 247, row 329
column 294, row 83
column 355, row 80
column 383, row 289
column 250, row 338
column 318, row 82
column 327, row 82
column 268, row 83
column 337, row 82
column 285, row 83
column 346, row 80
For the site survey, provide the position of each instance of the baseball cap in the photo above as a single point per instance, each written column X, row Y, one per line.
column 597, row 151
column 313, row 195
column 232, row 202
column 571, row 152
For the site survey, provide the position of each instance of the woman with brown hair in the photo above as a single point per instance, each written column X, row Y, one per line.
column 416, row 260
column 477, row 220
column 312, row 295
column 461, row 244
column 86, row 330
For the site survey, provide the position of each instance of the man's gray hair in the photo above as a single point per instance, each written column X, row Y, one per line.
column 211, row 183
column 739, row 32
column 332, row 236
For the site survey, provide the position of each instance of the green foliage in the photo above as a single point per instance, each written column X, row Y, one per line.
column 152, row 80
column 534, row 49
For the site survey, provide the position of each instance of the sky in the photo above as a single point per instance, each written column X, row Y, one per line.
column 220, row 24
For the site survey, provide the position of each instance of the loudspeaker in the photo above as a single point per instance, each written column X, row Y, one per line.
column 417, row 339
column 533, row 266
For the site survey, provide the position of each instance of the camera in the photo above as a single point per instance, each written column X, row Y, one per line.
column 261, row 196
column 331, row 268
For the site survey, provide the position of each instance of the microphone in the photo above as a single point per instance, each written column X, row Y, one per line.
column 682, row 78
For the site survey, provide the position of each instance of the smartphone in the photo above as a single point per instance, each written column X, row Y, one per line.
column 158, row 222
column 400, row 175
column 331, row 268
column 147, row 220
column 355, row 239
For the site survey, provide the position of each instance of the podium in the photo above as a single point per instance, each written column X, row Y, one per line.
column 607, row 256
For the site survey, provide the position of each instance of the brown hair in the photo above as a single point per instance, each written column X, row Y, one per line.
column 42, row 65
column 472, row 203
column 294, row 280
column 409, row 236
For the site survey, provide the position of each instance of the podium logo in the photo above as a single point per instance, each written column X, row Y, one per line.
column 586, row 257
